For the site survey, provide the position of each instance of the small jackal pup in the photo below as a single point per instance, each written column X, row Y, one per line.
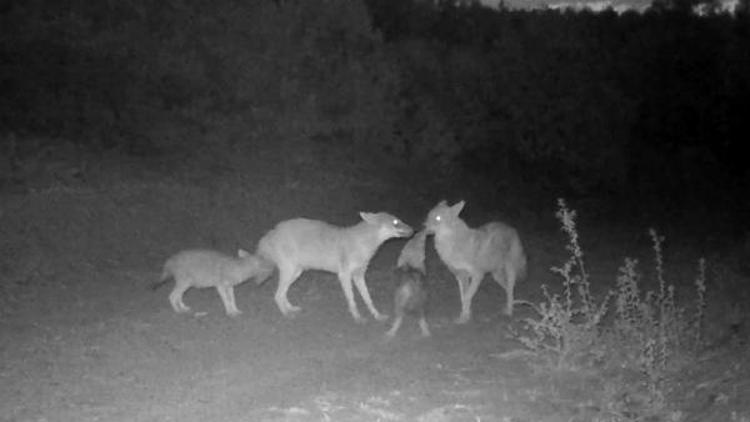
column 205, row 268
column 411, row 293
column 301, row 244
column 469, row 253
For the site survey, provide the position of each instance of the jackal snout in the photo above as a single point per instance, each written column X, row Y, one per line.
column 394, row 227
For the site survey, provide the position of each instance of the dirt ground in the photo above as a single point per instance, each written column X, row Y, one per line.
column 84, row 338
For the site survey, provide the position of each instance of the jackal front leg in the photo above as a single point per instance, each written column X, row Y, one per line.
column 345, row 279
column 463, row 278
column 359, row 282
column 471, row 290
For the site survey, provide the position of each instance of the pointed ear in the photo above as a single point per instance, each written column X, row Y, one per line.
column 243, row 253
column 367, row 216
column 443, row 203
column 457, row 207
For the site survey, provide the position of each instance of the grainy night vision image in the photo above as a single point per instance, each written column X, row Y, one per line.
column 374, row 210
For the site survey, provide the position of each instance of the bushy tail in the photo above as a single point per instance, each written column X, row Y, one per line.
column 521, row 262
column 165, row 276
column 267, row 265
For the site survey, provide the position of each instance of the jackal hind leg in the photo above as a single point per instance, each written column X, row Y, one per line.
column 395, row 327
column 508, row 275
column 287, row 276
column 175, row 298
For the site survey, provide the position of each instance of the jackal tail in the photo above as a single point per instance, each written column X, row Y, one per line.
column 522, row 262
column 165, row 276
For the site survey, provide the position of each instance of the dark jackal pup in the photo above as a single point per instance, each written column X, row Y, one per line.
column 411, row 293
column 410, row 298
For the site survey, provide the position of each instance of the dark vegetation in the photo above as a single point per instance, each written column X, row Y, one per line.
column 583, row 103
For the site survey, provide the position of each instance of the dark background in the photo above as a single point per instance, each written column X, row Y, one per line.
column 642, row 110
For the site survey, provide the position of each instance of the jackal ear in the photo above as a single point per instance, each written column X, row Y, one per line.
column 443, row 203
column 457, row 207
column 368, row 217
column 243, row 253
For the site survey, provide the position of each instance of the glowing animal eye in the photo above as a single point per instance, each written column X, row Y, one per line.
column 437, row 218
column 396, row 222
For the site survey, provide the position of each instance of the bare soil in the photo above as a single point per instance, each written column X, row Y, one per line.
column 84, row 338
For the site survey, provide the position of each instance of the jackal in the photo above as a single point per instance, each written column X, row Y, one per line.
column 469, row 253
column 301, row 244
column 206, row 268
column 410, row 296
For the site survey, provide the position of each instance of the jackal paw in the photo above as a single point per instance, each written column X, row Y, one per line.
column 463, row 319
column 380, row 317
column 359, row 319
column 291, row 312
column 425, row 329
column 293, row 309
column 234, row 313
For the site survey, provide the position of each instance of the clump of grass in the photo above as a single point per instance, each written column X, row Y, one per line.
column 651, row 331
column 732, row 296
column 566, row 332
column 646, row 333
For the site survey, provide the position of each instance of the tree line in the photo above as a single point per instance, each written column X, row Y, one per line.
column 594, row 102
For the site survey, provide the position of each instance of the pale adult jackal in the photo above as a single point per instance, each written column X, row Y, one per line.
column 205, row 268
column 301, row 244
column 493, row 248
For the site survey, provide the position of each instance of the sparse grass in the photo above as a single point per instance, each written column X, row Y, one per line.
column 565, row 335
column 637, row 338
